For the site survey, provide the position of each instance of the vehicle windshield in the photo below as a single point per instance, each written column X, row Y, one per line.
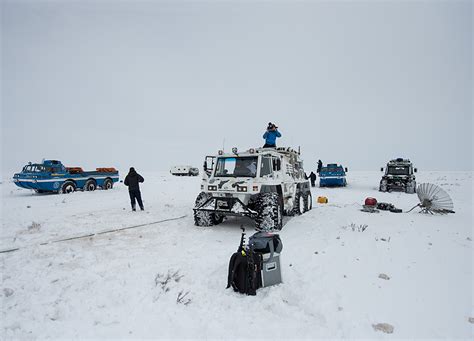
column 331, row 169
column 36, row 169
column 30, row 169
column 398, row 170
column 236, row 167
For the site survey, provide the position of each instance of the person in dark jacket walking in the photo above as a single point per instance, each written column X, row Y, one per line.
column 320, row 165
column 271, row 135
column 312, row 177
column 132, row 180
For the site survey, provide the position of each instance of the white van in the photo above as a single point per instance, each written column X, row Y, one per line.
column 184, row 171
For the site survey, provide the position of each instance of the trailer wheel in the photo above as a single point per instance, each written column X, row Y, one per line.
column 269, row 212
column 68, row 187
column 108, row 184
column 90, row 185
column 202, row 218
column 299, row 206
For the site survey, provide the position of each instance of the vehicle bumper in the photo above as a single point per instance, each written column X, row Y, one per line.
column 38, row 184
column 395, row 185
column 332, row 181
column 229, row 206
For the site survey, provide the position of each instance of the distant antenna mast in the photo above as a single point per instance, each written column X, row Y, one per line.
column 223, row 144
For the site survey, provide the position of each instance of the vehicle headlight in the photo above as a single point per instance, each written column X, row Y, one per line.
column 212, row 188
column 255, row 188
column 241, row 188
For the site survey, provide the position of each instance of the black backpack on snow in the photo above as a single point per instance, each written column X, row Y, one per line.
column 245, row 273
column 245, row 268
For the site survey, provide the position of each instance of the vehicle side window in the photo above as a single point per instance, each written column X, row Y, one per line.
column 266, row 166
column 276, row 164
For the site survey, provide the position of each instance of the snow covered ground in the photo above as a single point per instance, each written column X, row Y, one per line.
column 167, row 280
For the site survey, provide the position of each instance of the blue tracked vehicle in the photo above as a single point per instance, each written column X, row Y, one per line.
column 332, row 175
column 51, row 176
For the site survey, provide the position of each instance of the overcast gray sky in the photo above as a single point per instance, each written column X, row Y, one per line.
column 157, row 83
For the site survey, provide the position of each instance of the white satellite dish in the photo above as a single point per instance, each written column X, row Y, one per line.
column 433, row 199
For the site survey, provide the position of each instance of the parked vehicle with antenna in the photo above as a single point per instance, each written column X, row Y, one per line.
column 263, row 184
column 51, row 176
column 399, row 176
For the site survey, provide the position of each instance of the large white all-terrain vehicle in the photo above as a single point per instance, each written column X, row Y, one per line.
column 263, row 184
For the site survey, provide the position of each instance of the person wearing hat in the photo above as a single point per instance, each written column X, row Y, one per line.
column 312, row 177
column 132, row 181
column 320, row 165
column 271, row 135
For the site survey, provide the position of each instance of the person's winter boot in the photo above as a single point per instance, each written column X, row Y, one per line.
column 133, row 208
column 141, row 208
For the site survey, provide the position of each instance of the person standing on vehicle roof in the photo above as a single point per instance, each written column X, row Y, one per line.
column 312, row 177
column 132, row 180
column 320, row 165
column 271, row 135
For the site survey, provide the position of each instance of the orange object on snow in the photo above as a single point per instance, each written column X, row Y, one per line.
column 74, row 170
column 322, row 200
column 106, row 170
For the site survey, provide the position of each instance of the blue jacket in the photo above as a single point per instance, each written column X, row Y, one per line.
column 271, row 136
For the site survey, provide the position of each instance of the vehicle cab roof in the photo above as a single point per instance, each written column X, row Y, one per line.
column 261, row 151
column 51, row 162
column 400, row 161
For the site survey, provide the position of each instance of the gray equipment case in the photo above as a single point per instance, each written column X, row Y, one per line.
column 263, row 242
column 271, row 269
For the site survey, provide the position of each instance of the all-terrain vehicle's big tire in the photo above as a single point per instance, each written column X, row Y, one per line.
column 308, row 202
column 269, row 212
column 300, row 204
column 90, row 185
column 205, row 218
column 68, row 187
column 411, row 187
column 383, row 186
column 108, row 184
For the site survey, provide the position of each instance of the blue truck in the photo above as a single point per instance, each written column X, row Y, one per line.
column 332, row 175
column 51, row 176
